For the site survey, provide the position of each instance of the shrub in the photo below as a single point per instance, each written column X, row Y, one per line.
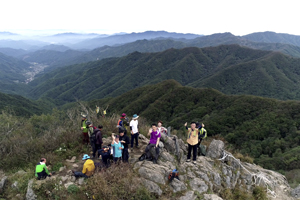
column 259, row 193
column 73, row 189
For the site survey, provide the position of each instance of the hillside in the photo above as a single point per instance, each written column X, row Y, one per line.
column 264, row 128
column 272, row 37
column 261, row 73
column 19, row 105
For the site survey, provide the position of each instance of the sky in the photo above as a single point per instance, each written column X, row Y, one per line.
column 240, row 17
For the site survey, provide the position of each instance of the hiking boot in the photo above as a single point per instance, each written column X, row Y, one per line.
column 194, row 162
column 188, row 160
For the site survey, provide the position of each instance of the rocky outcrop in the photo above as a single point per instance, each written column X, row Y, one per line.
column 217, row 171
column 2, row 184
column 30, row 193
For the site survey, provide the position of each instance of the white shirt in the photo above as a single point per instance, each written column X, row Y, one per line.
column 134, row 126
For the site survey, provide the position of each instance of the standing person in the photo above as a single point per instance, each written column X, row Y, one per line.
column 84, row 128
column 98, row 140
column 153, row 143
column 117, row 148
column 202, row 134
column 161, row 129
column 192, row 141
column 134, row 131
column 92, row 136
column 125, row 141
column 123, row 123
column 88, row 168
column 41, row 170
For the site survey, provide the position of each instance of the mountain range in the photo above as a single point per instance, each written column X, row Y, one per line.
column 231, row 69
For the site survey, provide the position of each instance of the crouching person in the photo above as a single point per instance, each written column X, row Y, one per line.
column 88, row 168
column 154, row 143
column 41, row 170
column 104, row 155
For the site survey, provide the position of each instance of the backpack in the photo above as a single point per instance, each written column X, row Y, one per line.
column 173, row 175
column 93, row 136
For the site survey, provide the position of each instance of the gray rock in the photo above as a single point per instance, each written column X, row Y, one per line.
column 296, row 192
column 170, row 145
column 68, row 184
column 161, row 145
column 177, row 185
column 198, row 185
column 72, row 160
column 75, row 165
column 21, row 172
column 2, row 184
column 152, row 187
column 62, row 169
column 64, row 178
column 215, row 149
column 30, row 193
column 73, row 179
column 217, row 179
column 80, row 181
column 212, row 197
column 152, row 175
column 15, row 185
column 166, row 156
column 188, row 196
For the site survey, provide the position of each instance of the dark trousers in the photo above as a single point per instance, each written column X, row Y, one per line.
column 80, row 174
column 85, row 138
column 148, row 151
column 194, row 148
column 42, row 175
column 95, row 148
column 116, row 159
column 136, row 138
column 125, row 155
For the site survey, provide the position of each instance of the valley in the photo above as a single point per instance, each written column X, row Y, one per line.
column 34, row 69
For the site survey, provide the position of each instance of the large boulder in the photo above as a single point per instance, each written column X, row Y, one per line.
column 198, row 185
column 212, row 197
column 215, row 149
column 153, row 172
column 30, row 193
column 177, row 185
column 152, row 187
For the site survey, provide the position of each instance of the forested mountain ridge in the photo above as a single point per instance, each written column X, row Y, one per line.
column 264, row 128
column 229, row 68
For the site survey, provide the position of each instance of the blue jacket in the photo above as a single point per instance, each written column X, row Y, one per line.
column 117, row 153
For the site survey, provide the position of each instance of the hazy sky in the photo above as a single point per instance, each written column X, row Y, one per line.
column 239, row 17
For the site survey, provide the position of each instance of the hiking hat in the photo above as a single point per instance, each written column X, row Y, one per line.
column 85, row 156
column 123, row 115
column 84, row 116
column 88, row 123
column 174, row 170
column 135, row 116
column 116, row 136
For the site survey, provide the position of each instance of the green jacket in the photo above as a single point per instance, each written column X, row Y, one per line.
column 85, row 128
column 41, row 167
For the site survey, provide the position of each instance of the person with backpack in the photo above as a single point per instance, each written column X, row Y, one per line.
column 92, row 136
column 117, row 147
column 161, row 129
column 123, row 123
column 202, row 134
column 134, row 123
column 84, row 128
column 124, row 139
column 41, row 170
column 153, row 143
column 173, row 174
column 192, row 141
column 97, row 135
column 88, row 168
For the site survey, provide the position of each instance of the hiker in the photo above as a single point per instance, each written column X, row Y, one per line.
column 96, row 139
column 92, row 136
column 84, row 129
column 88, row 168
column 161, row 129
column 202, row 133
column 134, row 131
column 192, row 141
column 117, row 147
column 124, row 139
column 104, row 155
column 41, row 170
column 123, row 123
column 153, row 143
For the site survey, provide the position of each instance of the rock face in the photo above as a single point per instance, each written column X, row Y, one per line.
column 217, row 171
column 215, row 149
column 296, row 192
column 30, row 194
column 2, row 183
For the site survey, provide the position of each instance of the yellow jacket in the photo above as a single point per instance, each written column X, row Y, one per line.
column 88, row 167
column 192, row 136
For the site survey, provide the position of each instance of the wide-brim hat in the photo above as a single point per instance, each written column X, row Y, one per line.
column 85, row 156
column 135, row 116
column 84, row 116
